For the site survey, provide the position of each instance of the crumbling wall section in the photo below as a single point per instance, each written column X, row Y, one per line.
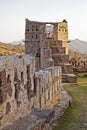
column 22, row 89
column 36, row 44
column 16, row 87
column 49, row 84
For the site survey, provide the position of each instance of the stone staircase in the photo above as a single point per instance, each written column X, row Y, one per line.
column 61, row 59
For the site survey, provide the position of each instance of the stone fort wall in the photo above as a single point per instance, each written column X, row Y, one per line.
column 33, row 81
column 22, row 89
column 48, row 42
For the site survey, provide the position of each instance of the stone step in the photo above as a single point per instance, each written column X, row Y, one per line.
column 49, row 62
column 60, row 58
column 56, row 50
column 69, row 78
column 72, row 78
column 64, row 78
column 59, row 43
column 53, row 42
column 67, row 68
column 47, row 53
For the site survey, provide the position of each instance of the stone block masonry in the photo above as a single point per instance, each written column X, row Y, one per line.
column 22, row 89
column 49, row 85
column 42, row 119
column 31, row 84
column 48, row 42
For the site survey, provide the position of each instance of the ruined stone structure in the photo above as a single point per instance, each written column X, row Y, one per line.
column 62, row 33
column 31, row 84
column 23, row 90
column 42, row 119
column 48, row 43
column 79, row 65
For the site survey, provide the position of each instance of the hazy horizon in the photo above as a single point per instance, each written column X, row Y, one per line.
column 14, row 12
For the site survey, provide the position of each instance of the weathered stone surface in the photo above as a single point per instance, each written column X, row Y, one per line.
column 42, row 119
column 13, row 78
column 49, row 45
column 8, row 107
column 46, row 114
column 23, row 89
column 33, row 82
column 79, row 64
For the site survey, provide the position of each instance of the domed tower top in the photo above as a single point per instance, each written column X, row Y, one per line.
column 64, row 21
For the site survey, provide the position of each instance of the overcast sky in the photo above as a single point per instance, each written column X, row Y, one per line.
column 14, row 12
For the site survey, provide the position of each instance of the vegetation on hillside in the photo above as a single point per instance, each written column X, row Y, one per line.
column 9, row 49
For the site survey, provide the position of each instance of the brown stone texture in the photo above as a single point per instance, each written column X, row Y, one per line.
column 23, row 89
column 48, row 42
column 3, row 90
column 79, row 65
column 42, row 119
column 8, row 107
column 34, row 80
column 13, row 78
column 50, row 88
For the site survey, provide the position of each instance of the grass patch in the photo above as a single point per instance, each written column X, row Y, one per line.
column 75, row 117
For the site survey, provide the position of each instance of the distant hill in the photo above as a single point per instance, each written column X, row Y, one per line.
column 78, row 46
column 78, row 50
column 11, row 49
column 17, row 42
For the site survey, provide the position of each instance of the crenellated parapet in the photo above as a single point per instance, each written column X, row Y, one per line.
column 22, row 89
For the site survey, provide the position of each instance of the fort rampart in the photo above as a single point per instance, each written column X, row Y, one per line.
column 22, row 89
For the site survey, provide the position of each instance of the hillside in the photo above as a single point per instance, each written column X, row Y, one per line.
column 78, row 46
column 11, row 49
column 77, row 50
